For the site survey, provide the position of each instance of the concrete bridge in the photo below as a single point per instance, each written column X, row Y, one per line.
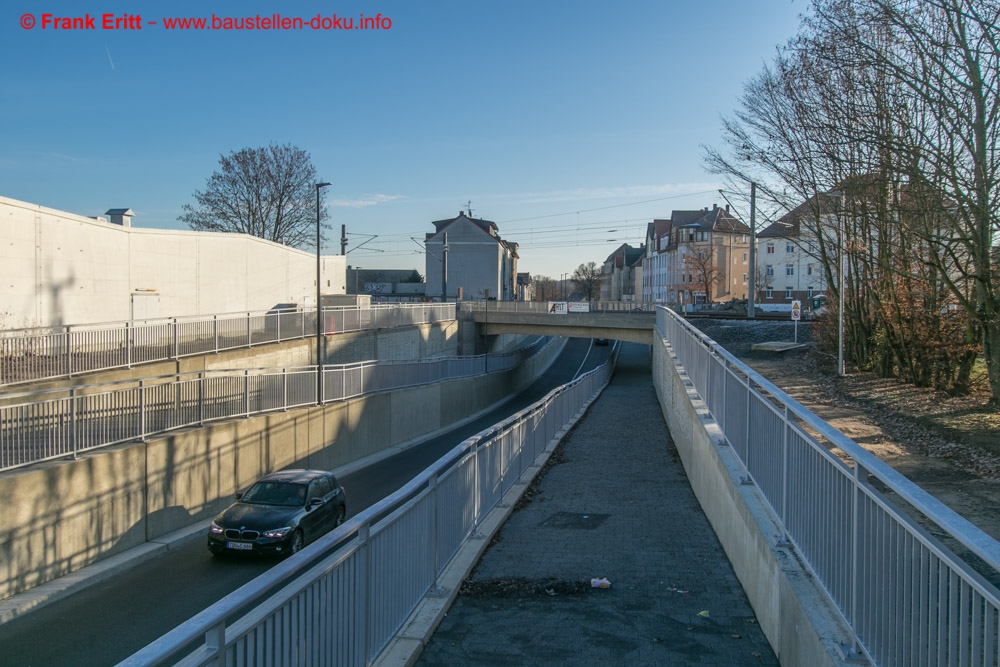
column 613, row 320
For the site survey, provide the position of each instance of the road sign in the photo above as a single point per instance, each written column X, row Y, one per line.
column 796, row 310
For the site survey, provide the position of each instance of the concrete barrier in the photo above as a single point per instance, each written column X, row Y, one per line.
column 63, row 515
column 794, row 613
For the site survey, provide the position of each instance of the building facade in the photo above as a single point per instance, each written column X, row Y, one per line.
column 708, row 257
column 479, row 262
column 618, row 273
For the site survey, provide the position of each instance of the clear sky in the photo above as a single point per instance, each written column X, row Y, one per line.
column 556, row 119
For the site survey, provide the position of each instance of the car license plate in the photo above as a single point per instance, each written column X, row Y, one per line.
column 240, row 546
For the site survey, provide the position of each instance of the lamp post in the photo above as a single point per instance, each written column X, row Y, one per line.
column 319, row 306
column 841, row 273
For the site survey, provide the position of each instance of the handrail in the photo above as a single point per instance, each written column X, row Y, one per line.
column 28, row 355
column 64, row 422
column 867, row 552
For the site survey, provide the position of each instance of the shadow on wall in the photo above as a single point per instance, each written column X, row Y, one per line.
column 56, row 288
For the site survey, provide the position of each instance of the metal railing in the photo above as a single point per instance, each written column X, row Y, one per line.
column 342, row 599
column 543, row 306
column 57, row 423
column 28, row 355
column 907, row 597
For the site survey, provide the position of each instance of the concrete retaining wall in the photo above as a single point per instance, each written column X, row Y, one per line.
column 63, row 515
column 797, row 618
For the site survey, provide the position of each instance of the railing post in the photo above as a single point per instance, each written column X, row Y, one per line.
column 249, row 334
column 201, row 398
column 432, row 487
column 129, row 332
column 215, row 642
column 176, row 341
column 69, row 355
column 74, row 438
column 284, row 382
column 246, row 393
column 142, row 411
column 215, row 331
column 364, row 543
column 278, row 325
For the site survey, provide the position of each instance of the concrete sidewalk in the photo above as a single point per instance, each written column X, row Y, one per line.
column 615, row 503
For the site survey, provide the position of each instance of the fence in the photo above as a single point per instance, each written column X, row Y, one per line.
column 28, row 355
column 57, row 423
column 907, row 597
column 543, row 307
column 345, row 607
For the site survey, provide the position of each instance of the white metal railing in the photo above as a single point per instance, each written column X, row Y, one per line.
column 344, row 608
column 49, row 424
column 28, row 355
column 907, row 596
column 544, row 307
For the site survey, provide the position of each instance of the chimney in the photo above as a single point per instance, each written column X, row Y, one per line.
column 715, row 207
column 120, row 216
column 727, row 208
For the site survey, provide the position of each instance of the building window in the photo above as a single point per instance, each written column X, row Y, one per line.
column 809, row 269
column 789, row 292
column 745, row 279
column 790, row 270
column 744, row 258
column 769, row 270
column 809, row 293
column 770, row 248
column 691, row 235
column 768, row 294
column 702, row 236
column 789, row 248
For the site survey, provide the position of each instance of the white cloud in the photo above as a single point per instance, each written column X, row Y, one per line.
column 372, row 200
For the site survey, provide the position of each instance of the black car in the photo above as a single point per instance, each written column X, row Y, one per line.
column 279, row 514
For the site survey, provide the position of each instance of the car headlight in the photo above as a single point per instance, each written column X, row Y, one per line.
column 216, row 529
column 277, row 533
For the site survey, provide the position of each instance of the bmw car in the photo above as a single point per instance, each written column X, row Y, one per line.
column 279, row 514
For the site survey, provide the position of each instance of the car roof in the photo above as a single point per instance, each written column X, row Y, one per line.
column 295, row 475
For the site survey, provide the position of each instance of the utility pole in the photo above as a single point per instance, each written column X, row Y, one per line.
column 343, row 239
column 444, row 270
column 751, row 308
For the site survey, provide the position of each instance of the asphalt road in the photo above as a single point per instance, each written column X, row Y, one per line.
column 107, row 622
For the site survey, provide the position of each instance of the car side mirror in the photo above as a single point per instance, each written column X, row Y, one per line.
column 239, row 495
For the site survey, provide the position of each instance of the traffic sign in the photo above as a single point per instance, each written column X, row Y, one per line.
column 796, row 310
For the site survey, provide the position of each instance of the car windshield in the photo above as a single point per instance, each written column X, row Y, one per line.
column 285, row 494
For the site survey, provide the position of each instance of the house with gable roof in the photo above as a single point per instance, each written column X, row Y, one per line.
column 708, row 257
column 479, row 262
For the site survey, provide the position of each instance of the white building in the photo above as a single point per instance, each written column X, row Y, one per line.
column 788, row 264
column 61, row 268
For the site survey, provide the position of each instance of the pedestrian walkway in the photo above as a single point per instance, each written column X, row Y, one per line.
column 614, row 503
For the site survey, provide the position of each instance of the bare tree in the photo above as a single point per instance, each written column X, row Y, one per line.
column 700, row 262
column 546, row 289
column 587, row 281
column 268, row 192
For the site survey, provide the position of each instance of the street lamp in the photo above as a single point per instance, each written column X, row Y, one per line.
column 319, row 307
column 841, row 273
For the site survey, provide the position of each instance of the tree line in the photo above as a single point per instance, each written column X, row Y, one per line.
column 877, row 124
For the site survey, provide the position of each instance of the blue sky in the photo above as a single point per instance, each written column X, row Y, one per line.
column 554, row 118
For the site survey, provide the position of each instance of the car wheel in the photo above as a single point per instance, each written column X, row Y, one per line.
column 297, row 543
column 341, row 515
